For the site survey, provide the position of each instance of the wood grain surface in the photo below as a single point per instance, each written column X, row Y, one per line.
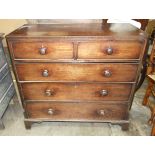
column 77, row 72
column 76, row 91
column 73, row 111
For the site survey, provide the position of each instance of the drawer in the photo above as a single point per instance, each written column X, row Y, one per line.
column 77, row 72
column 110, row 50
column 76, row 111
column 42, row 50
column 5, row 82
column 76, row 91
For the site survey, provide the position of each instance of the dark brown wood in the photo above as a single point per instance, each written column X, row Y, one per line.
column 125, row 126
column 60, row 50
column 120, row 50
column 76, row 111
column 28, row 124
column 61, row 30
column 53, row 50
column 77, row 72
column 76, row 91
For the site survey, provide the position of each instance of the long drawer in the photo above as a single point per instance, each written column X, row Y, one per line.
column 76, row 91
column 76, row 111
column 110, row 50
column 43, row 50
column 105, row 72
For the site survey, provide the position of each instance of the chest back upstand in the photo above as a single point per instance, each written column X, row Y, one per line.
column 76, row 72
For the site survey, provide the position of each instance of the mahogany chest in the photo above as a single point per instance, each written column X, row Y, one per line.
column 77, row 72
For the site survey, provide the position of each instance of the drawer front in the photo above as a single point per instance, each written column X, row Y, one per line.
column 110, row 50
column 2, row 57
column 77, row 72
column 43, row 50
column 76, row 91
column 76, row 111
column 5, row 82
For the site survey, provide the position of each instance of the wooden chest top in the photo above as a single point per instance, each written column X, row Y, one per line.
column 77, row 30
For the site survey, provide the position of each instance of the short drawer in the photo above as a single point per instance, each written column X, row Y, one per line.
column 77, row 72
column 76, row 111
column 76, row 91
column 110, row 50
column 5, row 82
column 42, row 50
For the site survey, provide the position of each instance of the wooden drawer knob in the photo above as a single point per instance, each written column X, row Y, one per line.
column 107, row 73
column 101, row 112
column 109, row 50
column 103, row 92
column 50, row 111
column 45, row 73
column 42, row 50
column 49, row 92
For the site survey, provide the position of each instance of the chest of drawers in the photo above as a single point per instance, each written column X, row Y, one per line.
column 6, row 84
column 83, row 72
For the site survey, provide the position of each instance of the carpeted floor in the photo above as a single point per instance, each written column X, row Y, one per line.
column 139, row 115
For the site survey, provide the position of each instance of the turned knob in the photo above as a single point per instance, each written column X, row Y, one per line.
column 103, row 92
column 49, row 92
column 109, row 50
column 45, row 73
column 101, row 112
column 50, row 111
column 42, row 50
column 107, row 73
